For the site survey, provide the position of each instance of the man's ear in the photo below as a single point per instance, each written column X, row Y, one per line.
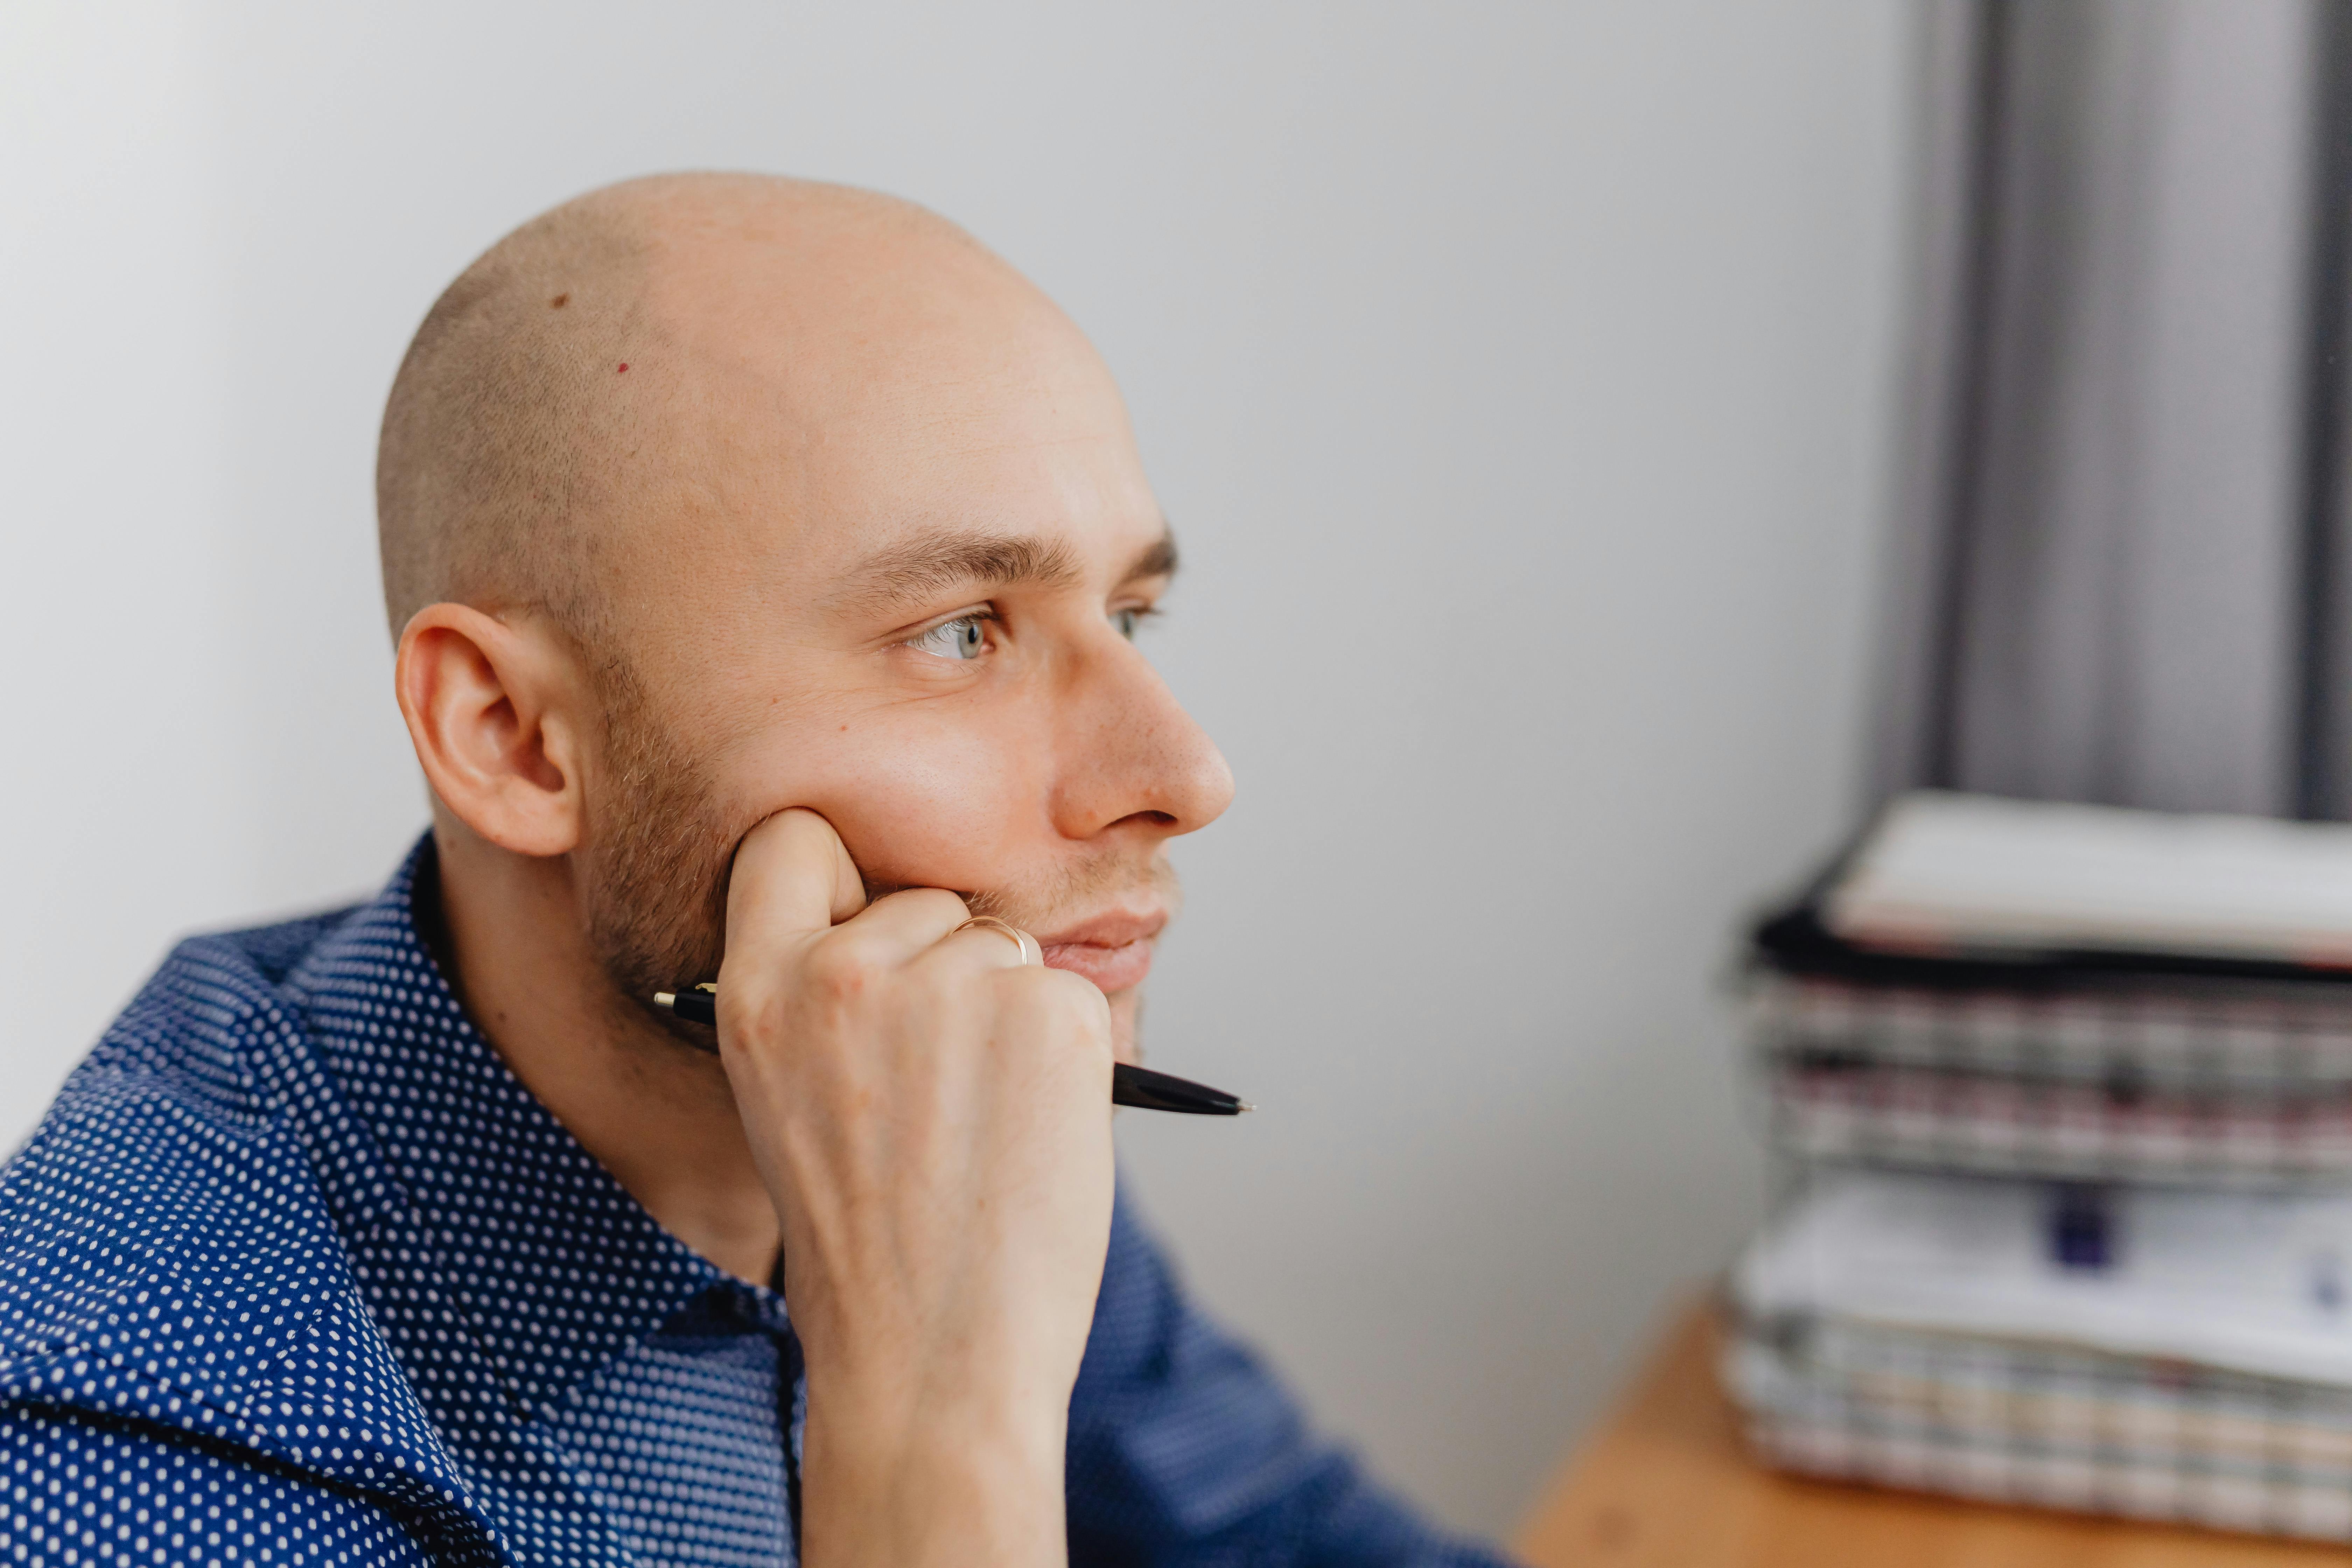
column 495, row 709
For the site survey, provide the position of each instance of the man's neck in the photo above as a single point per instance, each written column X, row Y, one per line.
column 658, row 1114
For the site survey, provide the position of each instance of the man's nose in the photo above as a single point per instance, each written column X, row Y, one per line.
column 1134, row 756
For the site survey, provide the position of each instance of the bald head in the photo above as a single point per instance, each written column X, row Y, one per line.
column 833, row 510
column 519, row 456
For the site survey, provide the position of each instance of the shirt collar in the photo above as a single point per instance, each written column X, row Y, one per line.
column 557, row 1268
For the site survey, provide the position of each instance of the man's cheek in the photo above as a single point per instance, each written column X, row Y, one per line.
column 924, row 808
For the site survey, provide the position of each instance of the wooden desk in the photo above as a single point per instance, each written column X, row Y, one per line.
column 1667, row 1484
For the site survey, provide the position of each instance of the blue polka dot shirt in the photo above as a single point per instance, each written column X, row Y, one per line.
column 295, row 1271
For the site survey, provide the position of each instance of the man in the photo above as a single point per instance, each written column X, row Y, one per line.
column 764, row 558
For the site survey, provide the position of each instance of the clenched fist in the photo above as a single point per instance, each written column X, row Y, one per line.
column 932, row 1119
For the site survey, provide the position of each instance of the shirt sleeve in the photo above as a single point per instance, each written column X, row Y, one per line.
column 1185, row 1452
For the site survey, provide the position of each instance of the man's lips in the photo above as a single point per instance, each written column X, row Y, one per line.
column 1114, row 950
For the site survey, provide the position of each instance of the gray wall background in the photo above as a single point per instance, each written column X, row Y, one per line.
column 1516, row 374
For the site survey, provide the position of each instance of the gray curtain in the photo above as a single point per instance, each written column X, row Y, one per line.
column 2118, row 556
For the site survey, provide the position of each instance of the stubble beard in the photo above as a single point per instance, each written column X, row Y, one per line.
column 656, row 877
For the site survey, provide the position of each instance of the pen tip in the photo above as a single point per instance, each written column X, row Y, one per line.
column 1247, row 1106
column 664, row 999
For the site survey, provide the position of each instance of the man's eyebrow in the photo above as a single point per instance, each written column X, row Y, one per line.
column 1158, row 560
column 929, row 565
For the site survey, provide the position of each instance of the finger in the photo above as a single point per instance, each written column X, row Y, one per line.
column 990, row 947
column 903, row 924
column 791, row 878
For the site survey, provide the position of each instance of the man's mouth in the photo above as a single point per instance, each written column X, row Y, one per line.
column 1112, row 950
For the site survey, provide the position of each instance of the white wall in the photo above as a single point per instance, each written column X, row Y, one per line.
column 1515, row 376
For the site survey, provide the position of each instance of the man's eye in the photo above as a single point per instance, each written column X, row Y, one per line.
column 963, row 638
column 1126, row 620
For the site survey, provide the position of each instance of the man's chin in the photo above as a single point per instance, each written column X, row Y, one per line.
column 1126, row 1025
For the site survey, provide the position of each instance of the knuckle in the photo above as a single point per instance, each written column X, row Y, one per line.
column 1063, row 1003
column 750, row 1019
column 1077, row 989
column 743, row 1015
column 839, row 972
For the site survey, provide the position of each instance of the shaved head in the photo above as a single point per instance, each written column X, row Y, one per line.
column 513, row 445
column 736, row 450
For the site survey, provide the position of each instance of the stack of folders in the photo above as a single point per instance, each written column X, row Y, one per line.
column 2070, row 1092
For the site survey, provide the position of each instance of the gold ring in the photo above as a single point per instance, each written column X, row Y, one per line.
column 1031, row 955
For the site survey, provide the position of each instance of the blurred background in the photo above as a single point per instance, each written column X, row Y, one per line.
column 1533, row 386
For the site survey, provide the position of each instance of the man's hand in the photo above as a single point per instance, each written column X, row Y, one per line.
column 933, row 1122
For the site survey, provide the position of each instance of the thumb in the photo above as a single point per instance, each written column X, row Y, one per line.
column 792, row 878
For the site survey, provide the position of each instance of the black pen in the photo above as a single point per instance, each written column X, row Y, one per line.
column 1132, row 1085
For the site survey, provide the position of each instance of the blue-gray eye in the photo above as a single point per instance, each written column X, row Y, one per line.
column 959, row 638
column 1126, row 620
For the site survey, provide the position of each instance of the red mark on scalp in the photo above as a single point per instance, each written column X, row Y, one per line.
column 623, row 371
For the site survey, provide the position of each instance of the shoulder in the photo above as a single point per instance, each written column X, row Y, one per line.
column 72, row 1483
column 188, row 1037
column 179, row 1073
column 163, row 1152
column 191, row 1028
column 174, row 1283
